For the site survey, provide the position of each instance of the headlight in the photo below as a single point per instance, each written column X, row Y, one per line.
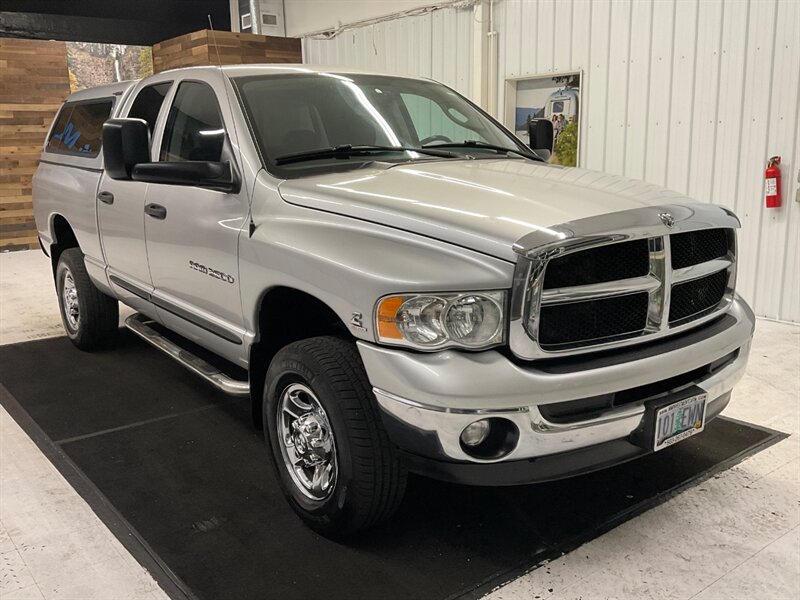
column 433, row 321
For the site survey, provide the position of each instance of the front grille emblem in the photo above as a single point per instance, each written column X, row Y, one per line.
column 667, row 219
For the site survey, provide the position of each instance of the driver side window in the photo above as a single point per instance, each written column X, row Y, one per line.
column 194, row 130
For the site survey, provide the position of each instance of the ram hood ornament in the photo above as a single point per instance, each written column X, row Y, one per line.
column 667, row 219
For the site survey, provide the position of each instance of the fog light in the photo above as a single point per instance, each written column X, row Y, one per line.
column 475, row 433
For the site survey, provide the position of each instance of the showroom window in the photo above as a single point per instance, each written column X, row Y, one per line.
column 148, row 103
column 194, row 129
column 78, row 129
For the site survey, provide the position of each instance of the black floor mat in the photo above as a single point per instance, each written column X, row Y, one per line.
column 180, row 475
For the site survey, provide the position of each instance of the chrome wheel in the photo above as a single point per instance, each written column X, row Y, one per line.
column 69, row 293
column 306, row 441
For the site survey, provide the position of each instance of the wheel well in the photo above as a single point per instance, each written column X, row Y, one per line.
column 286, row 315
column 63, row 238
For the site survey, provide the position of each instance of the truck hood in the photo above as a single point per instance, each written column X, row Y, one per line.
column 483, row 204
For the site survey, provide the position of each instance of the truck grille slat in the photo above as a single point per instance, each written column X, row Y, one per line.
column 593, row 291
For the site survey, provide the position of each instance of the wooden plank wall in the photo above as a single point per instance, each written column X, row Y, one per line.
column 33, row 82
column 195, row 49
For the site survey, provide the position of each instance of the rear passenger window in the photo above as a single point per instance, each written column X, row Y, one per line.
column 194, row 128
column 78, row 130
column 148, row 103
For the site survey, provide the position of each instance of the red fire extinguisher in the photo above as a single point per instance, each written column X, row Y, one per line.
column 773, row 177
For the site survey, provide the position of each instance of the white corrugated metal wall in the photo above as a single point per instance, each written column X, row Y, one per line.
column 436, row 44
column 691, row 94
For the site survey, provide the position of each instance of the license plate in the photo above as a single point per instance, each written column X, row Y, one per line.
column 680, row 420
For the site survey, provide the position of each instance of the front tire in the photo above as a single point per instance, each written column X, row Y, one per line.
column 335, row 463
column 90, row 317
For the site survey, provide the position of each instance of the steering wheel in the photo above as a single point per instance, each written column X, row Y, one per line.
column 435, row 138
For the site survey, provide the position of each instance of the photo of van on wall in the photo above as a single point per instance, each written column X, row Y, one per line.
column 558, row 100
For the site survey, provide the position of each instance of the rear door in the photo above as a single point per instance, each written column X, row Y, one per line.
column 193, row 232
column 120, row 210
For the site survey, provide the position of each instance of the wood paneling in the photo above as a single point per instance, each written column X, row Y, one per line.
column 196, row 49
column 33, row 83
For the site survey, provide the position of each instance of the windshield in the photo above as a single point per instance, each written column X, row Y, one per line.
column 296, row 114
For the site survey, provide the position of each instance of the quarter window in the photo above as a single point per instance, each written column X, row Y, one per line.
column 194, row 128
column 78, row 129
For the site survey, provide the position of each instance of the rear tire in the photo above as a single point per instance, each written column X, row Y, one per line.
column 90, row 317
column 361, row 481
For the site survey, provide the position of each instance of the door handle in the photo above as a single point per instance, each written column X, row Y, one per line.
column 106, row 197
column 156, row 211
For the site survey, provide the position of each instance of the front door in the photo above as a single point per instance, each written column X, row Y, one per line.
column 120, row 212
column 192, row 233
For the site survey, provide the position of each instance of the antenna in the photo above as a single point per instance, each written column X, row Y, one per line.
column 214, row 39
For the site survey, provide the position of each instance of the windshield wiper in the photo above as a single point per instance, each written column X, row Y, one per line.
column 484, row 145
column 348, row 151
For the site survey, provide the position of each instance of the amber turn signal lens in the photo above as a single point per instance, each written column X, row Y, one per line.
column 387, row 313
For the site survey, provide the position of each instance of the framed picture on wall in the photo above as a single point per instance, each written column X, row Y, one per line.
column 555, row 97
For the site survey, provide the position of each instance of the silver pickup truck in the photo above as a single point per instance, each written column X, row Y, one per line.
column 408, row 286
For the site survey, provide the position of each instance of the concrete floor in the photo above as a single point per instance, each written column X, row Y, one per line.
column 734, row 536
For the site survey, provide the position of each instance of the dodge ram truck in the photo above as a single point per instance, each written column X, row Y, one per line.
column 408, row 287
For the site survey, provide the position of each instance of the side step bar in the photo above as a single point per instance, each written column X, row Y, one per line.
column 139, row 324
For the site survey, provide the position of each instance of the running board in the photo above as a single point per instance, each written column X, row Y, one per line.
column 139, row 324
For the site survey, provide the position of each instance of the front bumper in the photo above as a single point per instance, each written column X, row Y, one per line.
column 426, row 400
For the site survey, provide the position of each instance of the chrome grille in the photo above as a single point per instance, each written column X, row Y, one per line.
column 593, row 289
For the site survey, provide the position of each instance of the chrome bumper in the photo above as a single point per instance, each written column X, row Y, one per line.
column 434, row 396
